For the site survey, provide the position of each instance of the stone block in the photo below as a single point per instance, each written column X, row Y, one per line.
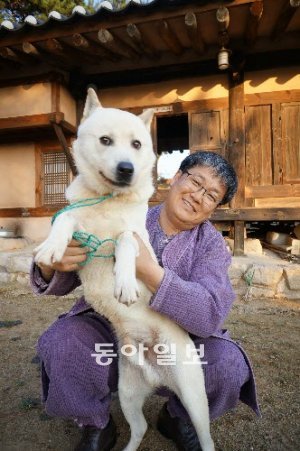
column 4, row 277
column 23, row 279
column 252, row 246
column 264, row 275
column 4, row 257
column 237, row 270
column 292, row 275
column 283, row 292
column 19, row 263
column 262, row 292
column 7, row 244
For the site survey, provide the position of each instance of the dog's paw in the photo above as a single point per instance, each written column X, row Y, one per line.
column 126, row 290
column 49, row 252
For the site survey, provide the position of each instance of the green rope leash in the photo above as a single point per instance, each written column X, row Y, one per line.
column 82, row 203
column 88, row 239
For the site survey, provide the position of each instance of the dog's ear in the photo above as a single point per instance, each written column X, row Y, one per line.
column 91, row 103
column 147, row 117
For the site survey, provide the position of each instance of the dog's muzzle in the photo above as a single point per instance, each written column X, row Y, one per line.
column 124, row 172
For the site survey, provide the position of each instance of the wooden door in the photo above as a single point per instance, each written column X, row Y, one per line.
column 208, row 131
column 290, row 130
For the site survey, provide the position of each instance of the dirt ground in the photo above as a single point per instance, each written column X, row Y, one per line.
column 268, row 330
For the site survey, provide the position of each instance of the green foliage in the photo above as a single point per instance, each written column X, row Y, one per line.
column 29, row 403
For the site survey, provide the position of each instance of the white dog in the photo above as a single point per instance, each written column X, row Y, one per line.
column 114, row 155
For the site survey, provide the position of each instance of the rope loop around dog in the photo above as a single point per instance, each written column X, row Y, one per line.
column 88, row 239
column 89, row 202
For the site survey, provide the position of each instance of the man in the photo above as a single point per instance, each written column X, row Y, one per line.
column 189, row 284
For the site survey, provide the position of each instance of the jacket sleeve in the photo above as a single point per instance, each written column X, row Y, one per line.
column 199, row 305
column 61, row 283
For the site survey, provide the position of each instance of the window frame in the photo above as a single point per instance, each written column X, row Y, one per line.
column 41, row 149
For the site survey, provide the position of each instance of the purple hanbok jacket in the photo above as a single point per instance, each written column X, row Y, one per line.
column 195, row 292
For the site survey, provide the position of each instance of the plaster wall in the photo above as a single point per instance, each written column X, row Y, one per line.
column 165, row 92
column 17, row 175
column 67, row 105
column 25, row 100
column 281, row 79
column 33, row 229
column 198, row 88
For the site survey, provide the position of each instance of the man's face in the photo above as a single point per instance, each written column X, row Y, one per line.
column 194, row 196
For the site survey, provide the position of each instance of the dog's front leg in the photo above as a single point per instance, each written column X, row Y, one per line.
column 53, row 248
column 126, row 287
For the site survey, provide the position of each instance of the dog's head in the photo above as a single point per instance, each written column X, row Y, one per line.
column 113, row 151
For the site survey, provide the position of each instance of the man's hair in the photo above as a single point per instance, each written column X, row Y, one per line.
column 219, row 165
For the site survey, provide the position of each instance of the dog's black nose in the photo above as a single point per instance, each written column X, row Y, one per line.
column 125, row 171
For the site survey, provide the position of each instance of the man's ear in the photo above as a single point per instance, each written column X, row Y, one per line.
column 91, row 103
column 147, row 117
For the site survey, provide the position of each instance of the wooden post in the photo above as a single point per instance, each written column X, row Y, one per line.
column 238, row 238
column 61, row 137
column 237, row 150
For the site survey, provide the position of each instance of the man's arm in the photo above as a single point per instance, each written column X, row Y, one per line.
column 60, row 278
column 199, row 305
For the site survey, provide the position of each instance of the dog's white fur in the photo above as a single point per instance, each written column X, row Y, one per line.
column 111, row 288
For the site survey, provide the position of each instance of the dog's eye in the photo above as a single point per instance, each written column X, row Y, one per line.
column 105, row 140
column 136, row 144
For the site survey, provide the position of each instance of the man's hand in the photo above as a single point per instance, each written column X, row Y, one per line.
column 147, row 269
column 73, row 256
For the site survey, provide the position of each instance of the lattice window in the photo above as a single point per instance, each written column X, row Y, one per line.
column 56, row 177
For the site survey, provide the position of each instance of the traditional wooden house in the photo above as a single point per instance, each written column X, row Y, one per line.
column 222, row 76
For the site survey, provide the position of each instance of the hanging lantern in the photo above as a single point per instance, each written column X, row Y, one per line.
column 223, row 58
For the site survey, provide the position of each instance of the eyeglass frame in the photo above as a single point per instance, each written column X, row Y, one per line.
column 214, row 202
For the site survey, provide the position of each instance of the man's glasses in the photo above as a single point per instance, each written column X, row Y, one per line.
column 195, row 186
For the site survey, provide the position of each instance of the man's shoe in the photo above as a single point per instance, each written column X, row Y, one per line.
column 181, row 432
column 94, row 439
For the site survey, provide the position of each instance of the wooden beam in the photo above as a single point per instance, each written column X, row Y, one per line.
column 83, row 26
column 255, row 15
column 256, row 214
column 285, row 16
column 238, row 238
column 61, row 137
column 221, row 214
column 194, row 32
column 272, row 191
column 34, row 120
column 169, row 37
column 236, row 144
column 30, row 49
column 67, row 55
column 140, row 42
column 223, row 19
column 82, row 43
column 57, row 52
column 33, row 128
column 28, row 212
column 11, row 55
column 115, row 45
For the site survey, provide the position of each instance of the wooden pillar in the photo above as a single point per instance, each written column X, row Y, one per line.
column 236, row 148
column 238, row 238
column 61, row 137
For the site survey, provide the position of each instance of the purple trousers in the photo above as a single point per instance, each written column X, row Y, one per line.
column 76, row 387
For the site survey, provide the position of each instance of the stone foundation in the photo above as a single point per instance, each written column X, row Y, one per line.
column 251, row 276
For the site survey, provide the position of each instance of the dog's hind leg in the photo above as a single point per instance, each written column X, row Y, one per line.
column 133, row 390
column 189, row 387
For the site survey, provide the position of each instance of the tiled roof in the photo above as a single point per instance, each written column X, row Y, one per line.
column 79, row 13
